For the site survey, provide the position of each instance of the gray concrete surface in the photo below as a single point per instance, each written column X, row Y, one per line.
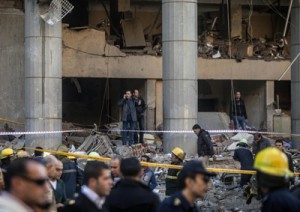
column 180, row 88
column 43, row 84
column 295, row 72
column 12, row 64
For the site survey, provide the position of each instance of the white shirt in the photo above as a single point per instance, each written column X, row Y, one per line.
column 91, row 195
column 9, row 202
column 53, row 184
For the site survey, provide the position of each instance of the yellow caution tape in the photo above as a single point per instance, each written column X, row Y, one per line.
column 154, row 165
column 12, row 122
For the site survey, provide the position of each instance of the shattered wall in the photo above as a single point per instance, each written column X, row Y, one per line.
column 12, row 63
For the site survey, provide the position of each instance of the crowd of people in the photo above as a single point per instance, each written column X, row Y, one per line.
column 55, row 183
column 43, row 182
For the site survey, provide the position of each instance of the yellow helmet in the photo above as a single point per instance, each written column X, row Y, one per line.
column 273, row 162
column 7, row 152
column 179, row 153
column 22, row 154
column 93, row 154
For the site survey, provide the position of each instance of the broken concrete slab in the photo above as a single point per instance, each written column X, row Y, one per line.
column 247, row 136
column 213, row 120
column 113, row 51
column 89, row 41
column 124, row 151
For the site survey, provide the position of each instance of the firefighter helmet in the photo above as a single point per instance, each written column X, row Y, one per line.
column 178, row 152
column 7, row 152
column 273, row 162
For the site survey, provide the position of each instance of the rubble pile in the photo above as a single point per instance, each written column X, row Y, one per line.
column 224, row 193
column 214, row 48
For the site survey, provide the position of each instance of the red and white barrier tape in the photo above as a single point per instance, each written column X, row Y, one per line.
column 148, row 131
column 40, row 132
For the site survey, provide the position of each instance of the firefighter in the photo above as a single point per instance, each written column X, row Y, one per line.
column 177, row 158
column 7, row 156
column 273, row 176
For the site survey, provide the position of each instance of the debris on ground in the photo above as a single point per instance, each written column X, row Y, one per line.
column 224, row 194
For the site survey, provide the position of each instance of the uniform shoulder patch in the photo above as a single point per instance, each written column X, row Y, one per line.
column 177, row 201
column 71, row 202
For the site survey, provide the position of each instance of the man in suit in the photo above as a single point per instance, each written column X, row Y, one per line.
column 58, row 186
column 130, row 194
column 97, row 185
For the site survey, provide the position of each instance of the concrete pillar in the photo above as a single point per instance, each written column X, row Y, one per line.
column 269, row 104
column 159, row 103
column 151, row 103
column 12, row 64
column 236, row 18
column 179, row 72
column 43, row 73
column 295, row 72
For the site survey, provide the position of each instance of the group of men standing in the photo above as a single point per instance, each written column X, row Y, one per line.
column 133, row 109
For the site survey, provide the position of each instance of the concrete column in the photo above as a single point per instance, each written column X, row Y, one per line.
column 295, row 72
column 12, row 64
column 151, row 103
column 236, row 18
column 159, row 103
column 179, row 72
column 43, row 84
column 269, row 104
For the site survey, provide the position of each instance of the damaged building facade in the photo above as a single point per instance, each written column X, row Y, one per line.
column 111, row 46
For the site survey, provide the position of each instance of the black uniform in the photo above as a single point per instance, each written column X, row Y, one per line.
column 171, row 180
column 140, row 106
column 83, row 204
column 205, row 146
column 245, row 157
column 131, row 196
column 280, row 200
column 176, row 203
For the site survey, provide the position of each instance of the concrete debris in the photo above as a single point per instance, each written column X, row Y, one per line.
column 88, row 41
column 247, row 136
column 97, row 143
column 113, row 51
column 213, row 47
column 124, row 151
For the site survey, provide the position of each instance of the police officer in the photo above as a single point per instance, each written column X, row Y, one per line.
column 193, row 183
column 273, row 177
column 177, row 158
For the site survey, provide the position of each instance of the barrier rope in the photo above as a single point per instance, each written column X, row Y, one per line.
column 148, row 131
column 12, row 122
column 154, row 165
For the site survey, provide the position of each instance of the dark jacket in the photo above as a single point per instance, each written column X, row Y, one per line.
column 176, row 203
column 83, row 204
column 128, row 106
column 72, row 177
column 238, row 108
column 131, row 196
column 172, row 180
column 291, row 164
column 262, row 144
column 245, row 157
column 60, row 192
column 205, row 146
column 280, row 200
column 140, row 106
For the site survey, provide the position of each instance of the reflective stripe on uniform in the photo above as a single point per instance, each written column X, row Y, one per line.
column 69, row 171
column 171, row 177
